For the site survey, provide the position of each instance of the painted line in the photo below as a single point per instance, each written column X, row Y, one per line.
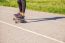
column 32, row 32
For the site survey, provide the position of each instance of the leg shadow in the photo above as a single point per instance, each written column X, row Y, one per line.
column 44, row 19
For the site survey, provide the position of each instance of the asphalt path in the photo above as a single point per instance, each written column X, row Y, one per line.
column 42, row 27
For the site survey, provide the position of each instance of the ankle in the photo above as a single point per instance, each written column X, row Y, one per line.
column 21, row 13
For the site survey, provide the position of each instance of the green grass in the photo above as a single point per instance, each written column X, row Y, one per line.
column 54, row 6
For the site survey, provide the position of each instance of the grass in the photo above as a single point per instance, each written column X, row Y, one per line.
column 54, row 6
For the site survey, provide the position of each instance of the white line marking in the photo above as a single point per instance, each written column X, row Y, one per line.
column 32, row 32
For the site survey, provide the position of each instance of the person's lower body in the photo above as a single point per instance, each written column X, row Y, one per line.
column 22, row 7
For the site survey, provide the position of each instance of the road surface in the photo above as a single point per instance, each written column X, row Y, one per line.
column 42, row 27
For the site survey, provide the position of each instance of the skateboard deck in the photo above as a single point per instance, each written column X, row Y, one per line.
column 18, row 20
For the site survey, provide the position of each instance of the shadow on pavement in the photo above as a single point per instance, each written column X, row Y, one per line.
column 44, row 19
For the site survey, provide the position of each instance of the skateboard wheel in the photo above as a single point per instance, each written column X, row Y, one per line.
column 14, row 19
column 16, row 22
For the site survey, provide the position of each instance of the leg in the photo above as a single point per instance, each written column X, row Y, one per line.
column 22, row 7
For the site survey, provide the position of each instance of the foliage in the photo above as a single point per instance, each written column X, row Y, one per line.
column 55, row 6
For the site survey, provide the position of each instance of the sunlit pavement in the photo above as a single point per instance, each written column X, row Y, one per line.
column 42, row 27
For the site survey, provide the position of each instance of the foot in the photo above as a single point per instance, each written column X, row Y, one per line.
column 17, row 15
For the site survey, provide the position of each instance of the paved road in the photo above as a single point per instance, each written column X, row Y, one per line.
column 42, row 27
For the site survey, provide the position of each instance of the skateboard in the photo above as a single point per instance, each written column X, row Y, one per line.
column 18, row 19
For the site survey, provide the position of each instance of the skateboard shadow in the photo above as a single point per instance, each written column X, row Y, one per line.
column 44, row 19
